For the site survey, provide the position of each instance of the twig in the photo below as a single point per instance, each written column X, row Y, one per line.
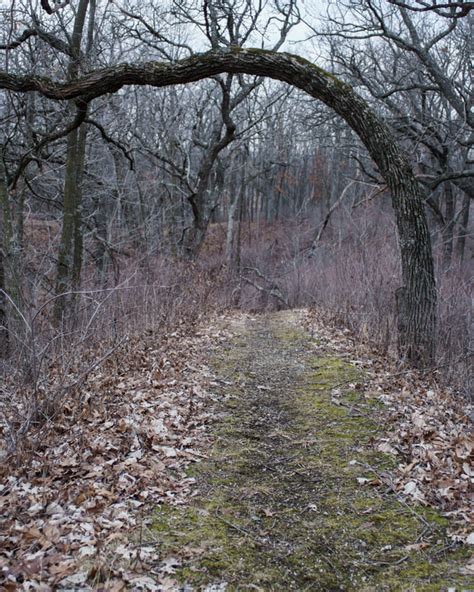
column 273, row 291
column 401, row 560
column 234, row 526
column 397, row 495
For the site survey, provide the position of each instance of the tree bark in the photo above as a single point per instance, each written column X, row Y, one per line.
column 417, row 341
column 449, row 223
column 71, row 204
column 78, row 246
column 70, row 250
column 463, row 227
column 232, row 251
column 4, row 334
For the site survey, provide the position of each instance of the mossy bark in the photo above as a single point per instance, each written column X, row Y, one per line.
column 4, row 243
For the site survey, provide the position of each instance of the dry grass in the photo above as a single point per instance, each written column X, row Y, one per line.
column 48, row 362
column 351, row 276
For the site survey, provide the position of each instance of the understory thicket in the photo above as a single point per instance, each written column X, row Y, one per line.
column 349, row 276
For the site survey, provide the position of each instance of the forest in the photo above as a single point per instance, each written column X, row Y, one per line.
column 209, row 210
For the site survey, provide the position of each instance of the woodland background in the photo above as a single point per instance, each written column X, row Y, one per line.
column 237, row 191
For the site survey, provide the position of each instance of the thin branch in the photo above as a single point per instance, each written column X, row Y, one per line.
column 81, row 112
column 110, row 140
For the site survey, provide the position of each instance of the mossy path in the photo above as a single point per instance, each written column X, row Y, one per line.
column 280, row 506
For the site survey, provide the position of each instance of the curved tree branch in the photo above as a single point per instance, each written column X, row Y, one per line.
column 27, row 33
column 446, row 9
column 418, row 321
column 286, row 67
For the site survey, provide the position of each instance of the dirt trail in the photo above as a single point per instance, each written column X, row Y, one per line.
column 285, row 500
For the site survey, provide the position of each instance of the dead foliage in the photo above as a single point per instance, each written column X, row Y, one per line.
column 73, row 506
column 428, row 429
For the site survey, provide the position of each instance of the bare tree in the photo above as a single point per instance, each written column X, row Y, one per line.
column 426, row 99
column 419, row 292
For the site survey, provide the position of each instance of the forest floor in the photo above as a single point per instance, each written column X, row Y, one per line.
column 290, row 496
column 295, row 468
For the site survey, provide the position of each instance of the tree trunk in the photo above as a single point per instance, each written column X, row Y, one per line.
column 4, row 205
column 233, row 226
column 4, row 335
column 66, row 247
column 203, row 204
column 463, row 227
column 195, row 234
column 448, row 230
column 78, row 207
column 10, row 244
column 70, row 249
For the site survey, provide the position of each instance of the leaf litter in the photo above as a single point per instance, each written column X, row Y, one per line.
column 428, row 429
column 71, row 506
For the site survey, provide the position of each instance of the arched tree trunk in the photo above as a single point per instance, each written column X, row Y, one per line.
column 417, row 337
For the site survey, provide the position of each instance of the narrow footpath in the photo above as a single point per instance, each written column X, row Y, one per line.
column 293, row 495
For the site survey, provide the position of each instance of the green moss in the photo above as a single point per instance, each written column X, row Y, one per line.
column 289, row 334
column 280, row 506
column 237, row 49
column 319, row 71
